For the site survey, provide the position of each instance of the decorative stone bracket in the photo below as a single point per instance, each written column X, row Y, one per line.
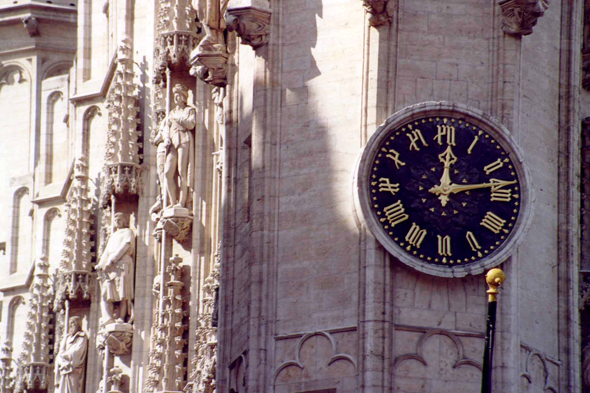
column 252, row 24
column 520, row 16
column 381, row 11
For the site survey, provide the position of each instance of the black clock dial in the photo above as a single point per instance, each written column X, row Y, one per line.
column 444, row 190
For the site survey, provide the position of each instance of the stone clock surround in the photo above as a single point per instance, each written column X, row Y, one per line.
column 477, row 118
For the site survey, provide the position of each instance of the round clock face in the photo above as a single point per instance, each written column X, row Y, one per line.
column 444, row 191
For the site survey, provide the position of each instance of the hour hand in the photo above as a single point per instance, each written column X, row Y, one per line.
column 447, row 158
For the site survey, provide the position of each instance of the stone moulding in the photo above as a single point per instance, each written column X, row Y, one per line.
column 381, row 11
column 520, row 16
column 252, row 24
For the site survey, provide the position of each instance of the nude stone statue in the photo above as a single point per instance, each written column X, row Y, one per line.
column 71, row 359
column 115, row 272
column 178, row 140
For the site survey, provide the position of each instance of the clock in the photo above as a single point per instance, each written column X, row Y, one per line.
column 444, row 189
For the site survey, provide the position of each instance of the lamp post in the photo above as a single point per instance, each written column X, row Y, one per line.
column 494, row 278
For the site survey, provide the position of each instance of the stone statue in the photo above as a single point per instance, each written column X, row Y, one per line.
column 178, row 140
column 71, row 359
column 157, row 139
column 115, row 272
column 210, row 14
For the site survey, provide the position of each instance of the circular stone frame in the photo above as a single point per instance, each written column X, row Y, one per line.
column 477, row 118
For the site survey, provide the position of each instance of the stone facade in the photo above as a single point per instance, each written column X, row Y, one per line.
column 178, row 193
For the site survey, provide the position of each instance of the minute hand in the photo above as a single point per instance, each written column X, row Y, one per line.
column 455, row 188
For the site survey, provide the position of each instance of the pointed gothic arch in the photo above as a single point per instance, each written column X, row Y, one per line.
column 21, row 232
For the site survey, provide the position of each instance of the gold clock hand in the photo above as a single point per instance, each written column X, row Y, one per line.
column 455, row 188
column 494, row 184
column 447, row 158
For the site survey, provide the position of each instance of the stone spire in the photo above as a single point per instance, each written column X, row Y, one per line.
column 76, row 263
column 34, row 359
column 122, row 154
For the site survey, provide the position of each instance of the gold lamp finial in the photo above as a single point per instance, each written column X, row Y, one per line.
column 494, row 278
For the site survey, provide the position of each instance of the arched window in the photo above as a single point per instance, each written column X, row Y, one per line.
column 93, row 134
column 17, row 314
column 52, row 253
column 56, row 139
column 22, row 227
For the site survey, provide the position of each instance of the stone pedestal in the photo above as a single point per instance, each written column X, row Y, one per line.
column 114, row 342
column 175, row 222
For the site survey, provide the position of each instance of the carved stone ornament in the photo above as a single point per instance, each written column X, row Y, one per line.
column 205, row 361
column 34, row 358
column 73, row 285
column 74, row 273
column 32, row 25
column 209, row 59
column 6, row 377
column 520, row 16
column 172, row 50
column 117, row 338
column 120, row 178
column 250, row 23
column 211, row 68
column 167, row 351
column 381, row 11
column 122, row 170
column 115, row 379
column 176, row 222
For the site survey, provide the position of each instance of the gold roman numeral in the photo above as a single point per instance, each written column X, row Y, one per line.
column 499, row 194
column 444, row 246
column 473, row 243
column 448, row 131
column 494, row 165
column 493, row 223
column 416, row 136
column 386, row 186
column 394, row 155
column 474, row 142
column 415, row 236
column 395, row 214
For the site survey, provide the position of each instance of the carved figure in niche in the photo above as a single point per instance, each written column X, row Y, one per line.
column 115, row 272
column 210, row 14
column 177, row 133
column 70, row 362
column 157, row 140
